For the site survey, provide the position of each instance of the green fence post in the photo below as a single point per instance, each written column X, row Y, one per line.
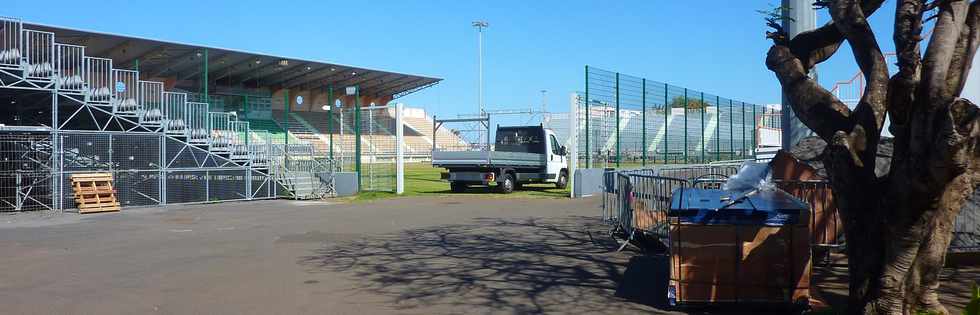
column 357, row 135
column 685, row 126
column 717, row 128
column 205, row 79
column 704, row 145
column 245, row 106
column 330, row 107
column 731, row 127
column 755, row 144
column 643, row 145
column 743, row 131
column 668, row 110
column 617, row 120
column 588, row 154
column 285, row 125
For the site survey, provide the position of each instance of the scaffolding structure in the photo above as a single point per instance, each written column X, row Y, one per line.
column 71, row 113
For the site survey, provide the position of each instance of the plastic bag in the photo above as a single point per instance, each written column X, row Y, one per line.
column 750, row 176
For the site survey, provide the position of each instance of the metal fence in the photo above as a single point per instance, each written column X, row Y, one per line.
column 622, row 121
column 148, row 169
column 636, row 201
column 25, row 172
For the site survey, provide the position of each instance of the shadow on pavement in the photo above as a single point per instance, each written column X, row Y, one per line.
column 528, row 265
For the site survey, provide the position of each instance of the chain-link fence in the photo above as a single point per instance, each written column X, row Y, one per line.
column 622, row 121
column 359, row 139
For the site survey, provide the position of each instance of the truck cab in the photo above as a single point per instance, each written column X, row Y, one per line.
column 519, row 155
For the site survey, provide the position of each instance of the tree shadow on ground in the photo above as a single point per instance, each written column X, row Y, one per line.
column 531, row 265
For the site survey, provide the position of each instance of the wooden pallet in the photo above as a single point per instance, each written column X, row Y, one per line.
column 94, row 192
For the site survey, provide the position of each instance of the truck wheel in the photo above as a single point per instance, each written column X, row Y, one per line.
column 506, row 184
column 562, row 180
column 457, row 187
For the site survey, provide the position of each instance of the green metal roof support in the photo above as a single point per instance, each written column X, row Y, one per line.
column 285, row 125
column 205, row 79
column 330, row 109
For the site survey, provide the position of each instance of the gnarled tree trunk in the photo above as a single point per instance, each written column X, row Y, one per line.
column 898, row 226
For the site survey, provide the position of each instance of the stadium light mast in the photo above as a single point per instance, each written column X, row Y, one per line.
column 480, row 25
column 544, row 105
column 798, row 16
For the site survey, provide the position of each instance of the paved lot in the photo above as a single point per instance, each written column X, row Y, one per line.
column 424, row 255
column 420, row 255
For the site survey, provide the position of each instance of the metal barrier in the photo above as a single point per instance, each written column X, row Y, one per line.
column 98, row 76
column 38, row 55
column 126, row 91
column 71, row 67
column 637, row 200
column 151, row 103
column 175, row 112
column 10, row 51
column 220, row 131
column 197, row 123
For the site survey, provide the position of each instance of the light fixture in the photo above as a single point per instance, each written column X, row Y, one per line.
column 353, row 73
column 325, row 107
column 199, row 54
column 283, row 62
column 258, row 61
column 308, row 68
column 332, row 69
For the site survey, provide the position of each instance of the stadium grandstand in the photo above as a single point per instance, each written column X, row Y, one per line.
column 182, row 123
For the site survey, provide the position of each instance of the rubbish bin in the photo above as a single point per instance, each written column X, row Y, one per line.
column 754, row 251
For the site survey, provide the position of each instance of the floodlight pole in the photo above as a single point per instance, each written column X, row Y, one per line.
column 798, row 16
column 480, row 25
column 544, row 105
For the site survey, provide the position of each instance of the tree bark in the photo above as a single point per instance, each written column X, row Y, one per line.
column 898, row 226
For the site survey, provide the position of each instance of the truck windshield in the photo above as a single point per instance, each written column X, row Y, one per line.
column 529, row 140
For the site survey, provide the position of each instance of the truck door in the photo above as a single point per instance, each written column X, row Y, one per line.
column 555, row 160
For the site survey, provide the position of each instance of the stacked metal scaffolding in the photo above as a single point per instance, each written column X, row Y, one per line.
column 160, row 147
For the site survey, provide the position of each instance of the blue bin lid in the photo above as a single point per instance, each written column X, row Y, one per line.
column 764, row 207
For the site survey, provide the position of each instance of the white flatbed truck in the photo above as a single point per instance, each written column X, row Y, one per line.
column 520, row 155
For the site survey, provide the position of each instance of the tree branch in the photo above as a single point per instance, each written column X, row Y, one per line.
column 816, row 107
column 939, row 54
column 816, row 46
column 965, row 51
column 851, row 21
column 901, row 88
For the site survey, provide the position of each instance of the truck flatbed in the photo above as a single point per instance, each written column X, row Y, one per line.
column 452, row 159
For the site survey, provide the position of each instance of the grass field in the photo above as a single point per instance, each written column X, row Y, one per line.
column 421, row 179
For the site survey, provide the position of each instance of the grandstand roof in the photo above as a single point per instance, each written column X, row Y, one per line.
column 229, row 67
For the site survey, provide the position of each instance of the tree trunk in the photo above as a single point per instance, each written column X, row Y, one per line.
column 898, row 226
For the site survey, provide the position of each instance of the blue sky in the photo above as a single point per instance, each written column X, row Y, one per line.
column 714, row 46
